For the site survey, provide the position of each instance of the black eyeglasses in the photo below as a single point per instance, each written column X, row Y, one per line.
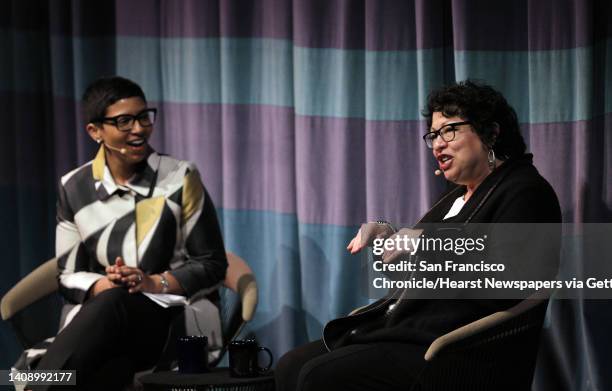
column 447, row 132
column 125, row 122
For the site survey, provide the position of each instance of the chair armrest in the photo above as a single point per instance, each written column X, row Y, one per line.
column 240, row 279
column 353, row 312
column 33, row 287
column 247, row 289
column 479, row 326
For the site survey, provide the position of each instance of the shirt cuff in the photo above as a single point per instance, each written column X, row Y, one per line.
column 80, row 280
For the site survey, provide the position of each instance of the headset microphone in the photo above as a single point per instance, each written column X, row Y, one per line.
column 120, row 150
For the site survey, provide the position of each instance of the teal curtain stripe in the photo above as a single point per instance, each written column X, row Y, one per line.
column 375, row 85
column 290, row 258
column 257, row 71
column 604, row 54
column 267, row 241
column 86, row 59
column 188, row 71
column 543, row 86
column 398, row 82
column 330, row 82
column 210, row 70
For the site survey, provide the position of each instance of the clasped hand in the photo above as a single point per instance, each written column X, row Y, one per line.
column 121, row 275
column 132, row 277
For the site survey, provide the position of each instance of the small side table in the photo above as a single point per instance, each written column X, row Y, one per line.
column 217, row 379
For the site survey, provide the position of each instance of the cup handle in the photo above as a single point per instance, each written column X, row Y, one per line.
column 262, row 371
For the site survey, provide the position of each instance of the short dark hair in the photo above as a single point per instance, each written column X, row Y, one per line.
column 105, row 91
column 483, row 106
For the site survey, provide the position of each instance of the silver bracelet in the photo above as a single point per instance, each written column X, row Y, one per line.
column 164, row 282
column 388, row 224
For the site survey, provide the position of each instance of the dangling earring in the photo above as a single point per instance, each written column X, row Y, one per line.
column 491, row 159
column 98, row 140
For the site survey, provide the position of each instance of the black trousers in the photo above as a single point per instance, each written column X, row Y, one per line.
column 114, row 335
column 384, row 366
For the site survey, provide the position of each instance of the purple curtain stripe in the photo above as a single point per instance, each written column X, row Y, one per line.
column 329, row 170
column 345, row 24
column 329, row 24
column 566, row 154
column 205, row 18
column 529, row 25
column 357, row 24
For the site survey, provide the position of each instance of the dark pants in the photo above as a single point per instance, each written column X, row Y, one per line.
column 114, row 335
column 383, row 366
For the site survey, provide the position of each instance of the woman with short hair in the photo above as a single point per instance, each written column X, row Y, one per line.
column 130, row 222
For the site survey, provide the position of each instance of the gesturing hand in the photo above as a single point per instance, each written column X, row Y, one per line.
column 355, row 245
column 367, row 233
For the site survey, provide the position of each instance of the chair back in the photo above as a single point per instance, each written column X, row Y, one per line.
column 41, row 282
column 31, row 307
column 497, row 352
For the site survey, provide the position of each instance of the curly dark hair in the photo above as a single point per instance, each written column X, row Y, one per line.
column 105, row 91
column 484, row 107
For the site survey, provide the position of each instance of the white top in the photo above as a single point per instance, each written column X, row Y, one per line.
column 456, row 208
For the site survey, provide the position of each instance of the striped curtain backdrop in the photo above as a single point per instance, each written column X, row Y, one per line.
column 304, row 119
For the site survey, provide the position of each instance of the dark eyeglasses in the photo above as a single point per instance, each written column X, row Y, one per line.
column 125, row 122
column 447, row 132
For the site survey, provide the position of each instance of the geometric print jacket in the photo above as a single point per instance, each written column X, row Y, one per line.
column 162, row 220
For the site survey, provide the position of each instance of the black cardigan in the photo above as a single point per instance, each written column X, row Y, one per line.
column 514, row 193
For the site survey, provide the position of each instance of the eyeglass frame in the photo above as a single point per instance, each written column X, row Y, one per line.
column 134, row 118
column 453, row 127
